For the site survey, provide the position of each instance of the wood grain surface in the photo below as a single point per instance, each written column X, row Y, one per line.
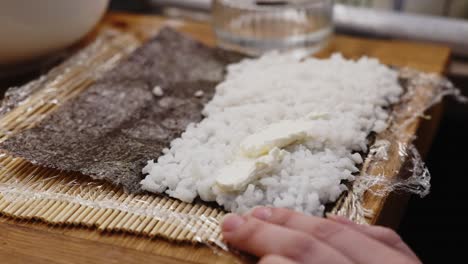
column 36, row 242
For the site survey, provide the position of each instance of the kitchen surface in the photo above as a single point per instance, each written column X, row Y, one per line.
column 433, row 226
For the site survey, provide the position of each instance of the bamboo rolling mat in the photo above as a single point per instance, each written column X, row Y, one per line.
column 32, row 192
column 61, row 198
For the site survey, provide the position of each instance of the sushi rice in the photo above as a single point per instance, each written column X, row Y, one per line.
column 345, row 100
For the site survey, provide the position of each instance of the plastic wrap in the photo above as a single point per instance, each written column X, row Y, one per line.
column 100, row 55
column 118, row 121
column 39, row 188
column 204, row 227
column 394, row 164
column 24, row 106
column 32, row 192
column 28, row 191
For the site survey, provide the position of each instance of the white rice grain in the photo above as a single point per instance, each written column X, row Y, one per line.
column 259, row 92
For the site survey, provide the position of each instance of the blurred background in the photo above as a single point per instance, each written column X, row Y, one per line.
column 449, row 8
column 435, row 226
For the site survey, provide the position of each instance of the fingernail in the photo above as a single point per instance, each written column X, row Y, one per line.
column 339, row 219
column 262, row 213
column 231, row 222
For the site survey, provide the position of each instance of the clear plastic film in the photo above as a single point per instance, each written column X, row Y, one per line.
column 30, row 103
column 31, row 192
column 65, row 199
column 394, row 164
column 200, row 223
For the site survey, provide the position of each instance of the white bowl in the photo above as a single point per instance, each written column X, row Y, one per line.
column 30, row 29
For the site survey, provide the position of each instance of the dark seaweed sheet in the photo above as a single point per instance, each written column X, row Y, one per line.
column 112, row 129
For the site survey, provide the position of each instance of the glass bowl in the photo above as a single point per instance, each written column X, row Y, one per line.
column 258, row 26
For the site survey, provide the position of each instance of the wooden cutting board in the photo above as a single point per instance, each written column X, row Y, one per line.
column 30, row 241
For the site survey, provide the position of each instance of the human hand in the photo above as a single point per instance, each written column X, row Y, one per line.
column 279, row 235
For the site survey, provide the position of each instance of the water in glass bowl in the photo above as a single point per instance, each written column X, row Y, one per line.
column 258, row 26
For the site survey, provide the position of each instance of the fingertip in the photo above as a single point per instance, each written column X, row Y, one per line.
column 231, row 222
column 249, row 212
column 261, row 213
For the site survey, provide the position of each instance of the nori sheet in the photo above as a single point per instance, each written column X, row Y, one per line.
column 112, row 129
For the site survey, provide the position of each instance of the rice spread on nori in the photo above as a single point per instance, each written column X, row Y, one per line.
column 280, row 131
column 112, row 129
